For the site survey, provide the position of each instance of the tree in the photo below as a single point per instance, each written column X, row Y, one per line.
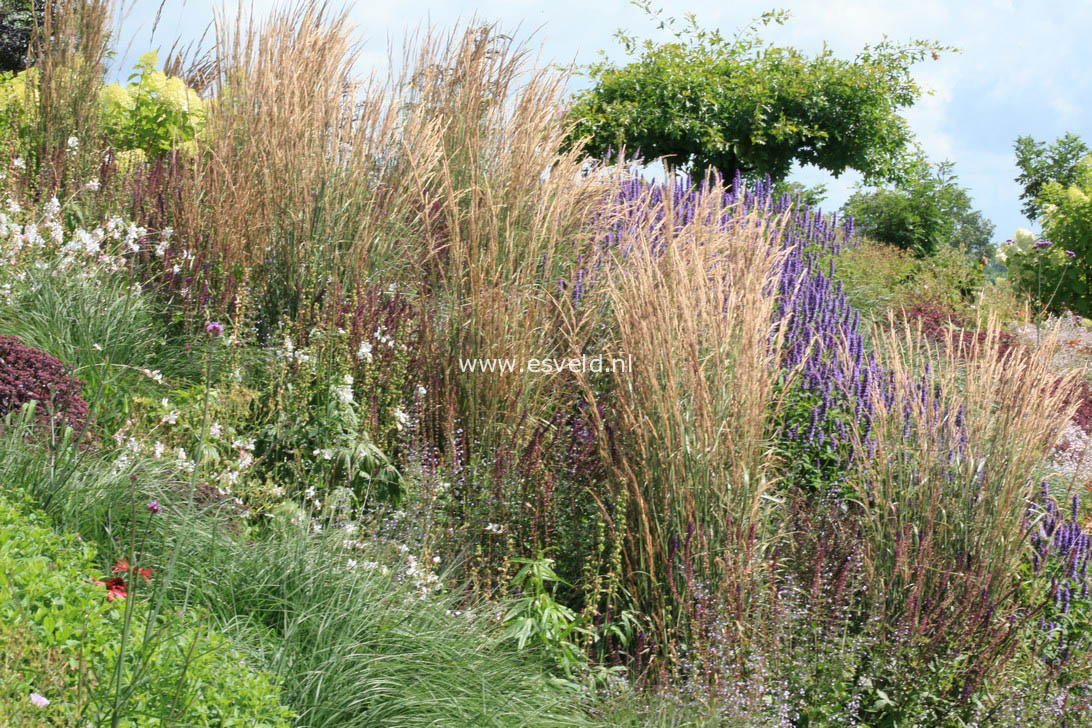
column 17, row 20
column 1040, row 164
column 928, row 210
column 705, row 102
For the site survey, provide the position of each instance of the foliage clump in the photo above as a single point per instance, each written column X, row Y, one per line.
column 30, row 375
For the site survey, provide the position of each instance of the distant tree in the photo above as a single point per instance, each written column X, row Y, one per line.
column 1040, row 164
column 928, row 210
column 705, row 102
column 810, row 196
column 17, row 19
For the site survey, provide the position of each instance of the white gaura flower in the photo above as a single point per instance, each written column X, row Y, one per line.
column 171, row 417
column 18, row 163
column 92, row 185
column 157, row 449
column 364, row 351
column 216, row 429
column 73, row 143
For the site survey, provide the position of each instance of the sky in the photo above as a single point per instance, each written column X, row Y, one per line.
column 1022, row 66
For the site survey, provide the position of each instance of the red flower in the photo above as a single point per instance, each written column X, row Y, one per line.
column 123, row 566
column 115, row 588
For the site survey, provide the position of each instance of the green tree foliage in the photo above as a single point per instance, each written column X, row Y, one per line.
column 1057, row 271
column 1040, row 164
column 706, row 102
column 928, row 210
column 17, row 20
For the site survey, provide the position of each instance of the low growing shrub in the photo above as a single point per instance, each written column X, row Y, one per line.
column 29, row 375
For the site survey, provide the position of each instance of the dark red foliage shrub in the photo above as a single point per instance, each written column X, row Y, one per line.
column 29, row 374
column 936, row 320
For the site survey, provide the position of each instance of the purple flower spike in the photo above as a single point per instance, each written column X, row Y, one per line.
column 1042, row 244
column 1071, row 254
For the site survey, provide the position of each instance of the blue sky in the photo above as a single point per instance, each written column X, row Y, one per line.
column 1022, row 69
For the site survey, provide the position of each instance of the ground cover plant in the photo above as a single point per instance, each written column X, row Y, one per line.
column 273, row 440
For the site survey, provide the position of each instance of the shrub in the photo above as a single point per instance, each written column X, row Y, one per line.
column 30, row 375
column 1049, row 273
column 155, row 114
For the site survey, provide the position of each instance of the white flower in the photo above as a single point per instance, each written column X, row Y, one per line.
column 92, row 185
column 157, row 449
column 155, row 375
column 326, row 454
column 421, row 391
column 18, row 163
column 494, row 528
column 171, row 417
column 73, row 143
column 364, row 351
column 245, row 459
column 97, row 347
column 401, row 419
column 216, row 429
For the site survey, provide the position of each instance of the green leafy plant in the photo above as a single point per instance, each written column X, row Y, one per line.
column 154, row 113
column 51, row 590
column 537, row 618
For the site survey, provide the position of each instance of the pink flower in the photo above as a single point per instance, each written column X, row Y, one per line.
column 214, row 328
column 39, row 700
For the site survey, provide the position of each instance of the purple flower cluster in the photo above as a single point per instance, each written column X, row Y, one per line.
column 822, row 335
column 1061, row 550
